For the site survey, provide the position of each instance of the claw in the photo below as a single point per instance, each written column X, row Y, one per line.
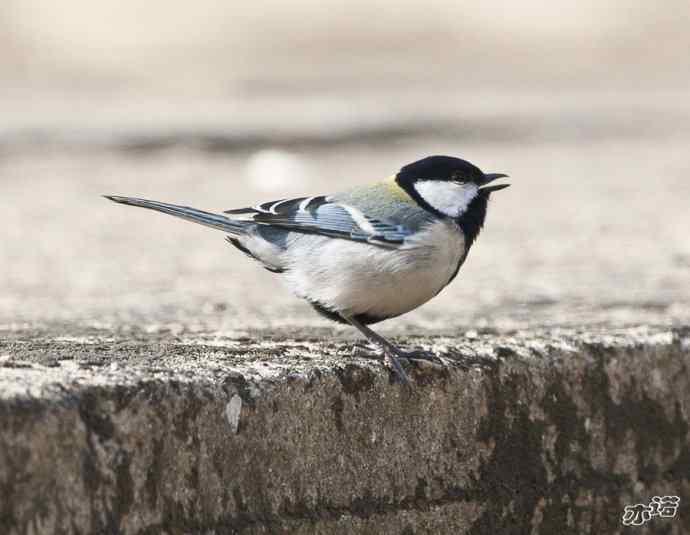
column 398, row 369
column 420, row 354
column 365, row 351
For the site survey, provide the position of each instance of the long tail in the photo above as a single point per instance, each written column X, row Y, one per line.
column 190, row 214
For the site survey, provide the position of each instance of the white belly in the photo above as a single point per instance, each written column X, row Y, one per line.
column 357, row 278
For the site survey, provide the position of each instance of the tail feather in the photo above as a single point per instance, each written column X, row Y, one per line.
column 208, row 219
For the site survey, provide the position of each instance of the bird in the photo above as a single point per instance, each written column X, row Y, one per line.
column 369, row 253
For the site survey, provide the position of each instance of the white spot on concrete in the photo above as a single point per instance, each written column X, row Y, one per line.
column 232, row 412
column 685, row 344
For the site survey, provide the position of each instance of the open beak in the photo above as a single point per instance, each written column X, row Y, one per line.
column 490, row 177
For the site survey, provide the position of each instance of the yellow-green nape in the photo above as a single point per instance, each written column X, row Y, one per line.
column 396, row 191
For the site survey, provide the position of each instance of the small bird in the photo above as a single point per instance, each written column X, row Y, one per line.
column 367, row 254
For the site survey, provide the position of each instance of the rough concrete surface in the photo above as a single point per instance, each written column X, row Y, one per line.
column 543, row 432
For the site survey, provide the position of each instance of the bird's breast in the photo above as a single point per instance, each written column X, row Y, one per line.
column 358, row 278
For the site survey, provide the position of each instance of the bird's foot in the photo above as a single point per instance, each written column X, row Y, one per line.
column 420, row 354
column 394, row 355
column 373, row 352
column 367, row 351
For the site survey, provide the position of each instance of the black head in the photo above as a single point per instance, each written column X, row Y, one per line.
column 446, row 185
column 441, row 168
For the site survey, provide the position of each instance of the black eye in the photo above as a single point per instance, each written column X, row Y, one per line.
column 455, row 177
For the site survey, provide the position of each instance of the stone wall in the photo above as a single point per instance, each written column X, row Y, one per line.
column 543, row 432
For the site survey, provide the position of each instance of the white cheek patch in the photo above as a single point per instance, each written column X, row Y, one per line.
column 449, row 198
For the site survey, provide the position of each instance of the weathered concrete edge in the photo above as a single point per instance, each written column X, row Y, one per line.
column 532, row 436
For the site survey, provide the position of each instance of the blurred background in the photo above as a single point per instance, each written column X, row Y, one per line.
column 221, row 104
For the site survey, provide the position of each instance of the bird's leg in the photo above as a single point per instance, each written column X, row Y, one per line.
column 389, row 350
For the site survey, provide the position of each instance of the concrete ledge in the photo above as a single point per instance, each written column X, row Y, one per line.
column 520, row 432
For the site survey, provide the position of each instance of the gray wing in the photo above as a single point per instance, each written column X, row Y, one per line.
column 327, row 217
